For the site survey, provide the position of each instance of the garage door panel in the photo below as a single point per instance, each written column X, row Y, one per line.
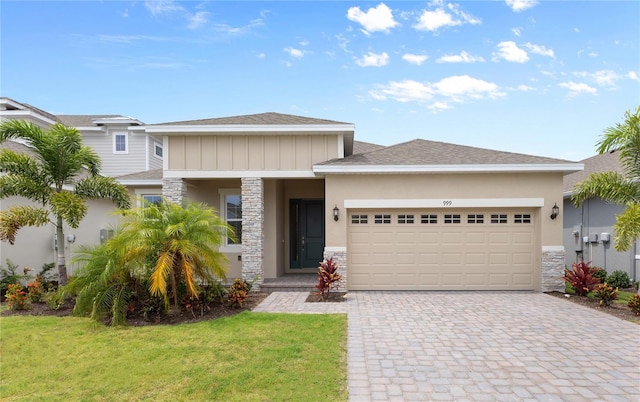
column 472, row 254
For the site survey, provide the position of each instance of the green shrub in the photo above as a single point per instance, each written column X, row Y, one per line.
column 599, row 273
column 16, row 297
column 238, row 293
column 9, row 275
column 636, row 285
column 619, row 279
column 569, row 289
column 606, row 294
column 634, row 304
column 328, row 276
column 54, row 299
column 580, row 278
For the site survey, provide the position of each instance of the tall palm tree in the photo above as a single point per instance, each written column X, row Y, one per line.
column 60, row 176
column 620, row 188
column 183, row 242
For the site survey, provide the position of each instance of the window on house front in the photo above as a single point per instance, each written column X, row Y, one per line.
column 120, row 143
column 231, row 209
column 498, row 218
column 475, row 218
column 404, row 218
column 152, row 198
column 359, row 219
column 157, row 150
column 522, row 218
column 429, row 218
column 452, row 218
column 382, row 219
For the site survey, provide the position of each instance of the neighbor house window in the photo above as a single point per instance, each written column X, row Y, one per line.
column 157, row 150
column 120, row 143
column 231, row 212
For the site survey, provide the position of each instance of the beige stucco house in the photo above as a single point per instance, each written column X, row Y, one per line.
column 417, row 215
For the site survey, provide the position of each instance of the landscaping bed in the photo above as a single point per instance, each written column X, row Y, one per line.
column 620, row 310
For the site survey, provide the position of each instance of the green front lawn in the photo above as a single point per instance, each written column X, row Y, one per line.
column 247, row 357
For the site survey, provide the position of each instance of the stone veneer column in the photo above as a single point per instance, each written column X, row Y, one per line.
column 174, row 190
column 253, row 230
column 553, row 268
column 339, row 255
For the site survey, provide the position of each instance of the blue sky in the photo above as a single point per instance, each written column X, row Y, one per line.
column 537, row 77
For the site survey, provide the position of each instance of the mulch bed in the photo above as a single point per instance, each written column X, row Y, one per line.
column 621, row 311
column 332, row 297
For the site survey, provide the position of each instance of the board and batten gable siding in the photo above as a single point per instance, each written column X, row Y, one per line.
column 251, row 152
column 118, row 164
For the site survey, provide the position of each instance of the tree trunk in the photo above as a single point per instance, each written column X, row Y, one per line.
column 61, row 261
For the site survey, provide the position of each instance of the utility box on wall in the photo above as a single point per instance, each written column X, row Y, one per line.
column 605, row 237
column 577, row 238
column 593, row 238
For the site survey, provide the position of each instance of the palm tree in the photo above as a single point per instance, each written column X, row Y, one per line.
column 623, row 189
column 60, row 176
column 183, row 242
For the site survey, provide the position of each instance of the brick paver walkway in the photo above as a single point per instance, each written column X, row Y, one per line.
column 483, row 346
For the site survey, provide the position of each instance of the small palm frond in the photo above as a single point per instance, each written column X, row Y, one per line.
column 71, row 207
column 20, row 129
column 627, row 227
column 25, row 186
column 164, row 267
column 95, row 187
column 610, row 186
column 16, row 217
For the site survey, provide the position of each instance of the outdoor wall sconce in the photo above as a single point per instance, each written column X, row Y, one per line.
column 336, row 213
column 555, row 211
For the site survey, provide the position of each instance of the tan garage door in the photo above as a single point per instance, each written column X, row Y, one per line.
column 443, row 250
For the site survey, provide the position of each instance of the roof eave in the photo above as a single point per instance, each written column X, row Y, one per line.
column 244, row 128
column 141, row 182
column 482, row 168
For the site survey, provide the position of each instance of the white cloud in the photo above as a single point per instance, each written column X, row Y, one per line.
column 463, row 57
column 509, row 51
column 633, row 76
column 432, row 20
column 373, row 60
column 416, row 59
column 304, row 43
column 241, row 30
column 198, row 19
column 158, row 7
column 521, row 5
column 516, row 31
column 539, row 49
column 576, row 30
column 375, row 19
column 522, row 88
column 438, row 107
column 459, row 89
column 576, row 88
column 604, row 78
column 593, row 54
column 293, row 52
column 261, row 55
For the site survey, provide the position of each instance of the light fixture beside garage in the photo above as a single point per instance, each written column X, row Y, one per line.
column 336, row 213
column 555, row 210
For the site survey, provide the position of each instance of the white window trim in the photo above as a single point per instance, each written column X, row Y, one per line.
column 224, row 192
column 156, row 144
column 126, row 142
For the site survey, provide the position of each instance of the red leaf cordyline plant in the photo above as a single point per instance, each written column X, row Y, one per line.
column 328, row 277
column 581, row 278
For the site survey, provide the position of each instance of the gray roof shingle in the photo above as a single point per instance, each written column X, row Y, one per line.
column 361, row 147
column 599, row 163
column 255, row 119
column 81, row 120
column 424, row 152
column 154, row 174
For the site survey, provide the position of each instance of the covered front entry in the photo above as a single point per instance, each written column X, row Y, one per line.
column 448, row 249
column 306, row 233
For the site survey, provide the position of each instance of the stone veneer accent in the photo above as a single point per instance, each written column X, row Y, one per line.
column 253, row 230
column 339, row 255
column 553, row 269
column 174, row 190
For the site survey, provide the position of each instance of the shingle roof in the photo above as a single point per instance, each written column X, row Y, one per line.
column 32, row 108
column 599, row 163
column 80, row 120
column 154, row 174
column 256, row 119
column 16, row 147
column 423, row 152
column 361, row 147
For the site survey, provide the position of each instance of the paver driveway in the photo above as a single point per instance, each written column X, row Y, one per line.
column 494, row 346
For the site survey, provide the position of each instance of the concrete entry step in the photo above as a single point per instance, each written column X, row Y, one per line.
column 290, row 283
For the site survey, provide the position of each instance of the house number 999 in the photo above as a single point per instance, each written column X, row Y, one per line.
column 447, row 203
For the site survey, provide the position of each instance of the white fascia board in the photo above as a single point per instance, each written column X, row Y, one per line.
column 117, row 120
column 136, row 128
column 569, row 167
column 236, row 174
column 251, row 128
column 21, row 114
column 445, row 203
column 141, row 182
column 92, row 128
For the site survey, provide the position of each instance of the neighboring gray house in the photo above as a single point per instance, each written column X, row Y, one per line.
column 588, row 230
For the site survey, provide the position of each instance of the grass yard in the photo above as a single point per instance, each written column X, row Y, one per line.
column 247, row 357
